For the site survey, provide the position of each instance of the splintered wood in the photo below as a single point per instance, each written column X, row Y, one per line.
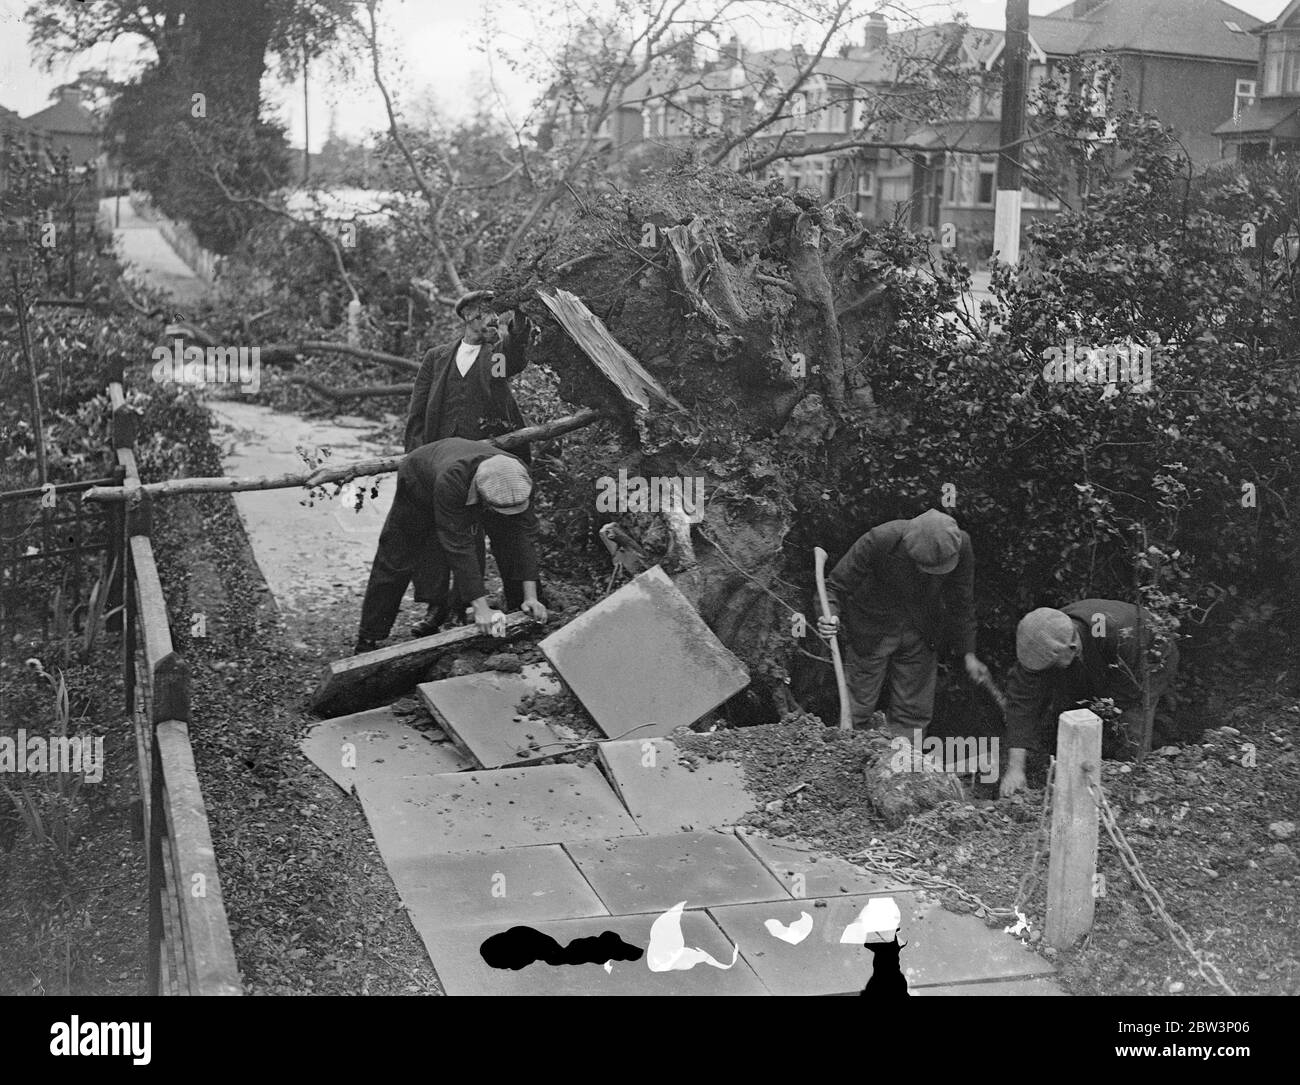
column 611, row 358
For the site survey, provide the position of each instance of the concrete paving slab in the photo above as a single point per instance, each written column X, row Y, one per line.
column 378, row 743
column 1014, row 988
column 942, row 948
column 642, row 661
column 481, row 714
column 462, row 970
column 498, row 889
column 413, row 816
column 652, row 873
column 807, row 872
column 667, row 794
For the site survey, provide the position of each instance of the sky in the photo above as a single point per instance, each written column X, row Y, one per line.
column 432, row 57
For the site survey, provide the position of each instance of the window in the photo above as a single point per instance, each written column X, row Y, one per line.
column 1282, row 62
column 816, row 174
column 799, row 109
column 1244, row 97
column 866, row 184
column 969, row 180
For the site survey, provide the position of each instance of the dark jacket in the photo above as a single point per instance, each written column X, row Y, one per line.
column 877, row 590
column 487, row 407
column 438, row 477
column 1105, row 668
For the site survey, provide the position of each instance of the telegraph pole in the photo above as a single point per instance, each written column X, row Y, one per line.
column 306, row 123
column 1015, row 77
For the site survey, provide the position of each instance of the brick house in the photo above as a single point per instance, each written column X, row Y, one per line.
column 1186, row 61
column 1265, row 118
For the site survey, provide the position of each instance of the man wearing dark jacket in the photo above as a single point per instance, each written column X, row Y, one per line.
column 463, row 390
column 1068, row 658
column 447, row 492
column 905, row 591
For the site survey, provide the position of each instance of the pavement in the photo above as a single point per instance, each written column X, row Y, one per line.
column 572, row 879
column 146, row 256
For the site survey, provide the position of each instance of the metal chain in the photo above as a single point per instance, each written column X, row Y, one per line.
column 1204, row 964
column 882, row 859
column 878, row 859
column 1029, row 880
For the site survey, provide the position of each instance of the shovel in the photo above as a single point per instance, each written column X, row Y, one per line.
column 846, row 713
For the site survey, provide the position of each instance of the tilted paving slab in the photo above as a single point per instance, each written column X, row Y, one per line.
column 1013, row 988
column 941, row 948
column 642, row 661
column 379, row 743
column 807, row 872
column 481, row 714
column 667, row 794
column 482, row 811
column 462, row 970
column 499, row 888
column 652, row 873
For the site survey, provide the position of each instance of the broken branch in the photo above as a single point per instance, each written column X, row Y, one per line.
column 343, row 473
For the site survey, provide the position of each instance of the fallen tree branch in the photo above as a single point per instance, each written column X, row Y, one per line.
column 337, row 394
column 342, row 473
column 286, row 353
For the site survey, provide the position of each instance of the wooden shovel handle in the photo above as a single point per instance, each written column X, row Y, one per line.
column 846, row 713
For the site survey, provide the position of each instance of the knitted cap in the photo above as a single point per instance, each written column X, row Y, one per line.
column 1046, row 638
column 933, row 541
column 504, row 484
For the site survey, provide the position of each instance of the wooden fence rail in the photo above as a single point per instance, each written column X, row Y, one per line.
column 189, row 946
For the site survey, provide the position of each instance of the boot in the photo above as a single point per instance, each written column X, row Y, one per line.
column 432, row 621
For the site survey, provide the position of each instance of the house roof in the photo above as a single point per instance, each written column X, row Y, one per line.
column 1182, row 27
column 1288, row 16
column 970, row 137
column 65, row 117
column 1267, row 117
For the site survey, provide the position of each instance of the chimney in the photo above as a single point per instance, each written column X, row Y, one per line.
column 876, row 34
column 70, row 93
column 732, row 53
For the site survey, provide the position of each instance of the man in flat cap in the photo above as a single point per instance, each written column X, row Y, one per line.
column 905, row 591
column 1068, row 658
column 463, row 390
column 448, row 492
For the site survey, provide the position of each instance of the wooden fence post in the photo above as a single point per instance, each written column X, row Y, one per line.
column 170, row 701
column 1073, row 862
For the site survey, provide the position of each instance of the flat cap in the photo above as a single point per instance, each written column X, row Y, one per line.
column 474, row 297
column 504, row 484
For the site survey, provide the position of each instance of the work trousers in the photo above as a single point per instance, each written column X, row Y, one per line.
column 433, row 579
column 408, row 551
column 912, row 667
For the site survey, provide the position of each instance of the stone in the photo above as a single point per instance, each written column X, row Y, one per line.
column 462, row 970
column 503, row 661
column 941, row 948
column 481, row 811
column 643, row 662
column 382, row 744
column 1281, row 830
column 797, row 865
column 652, row 873
column 500, row 888
column 667, row 793
column 480, row 712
